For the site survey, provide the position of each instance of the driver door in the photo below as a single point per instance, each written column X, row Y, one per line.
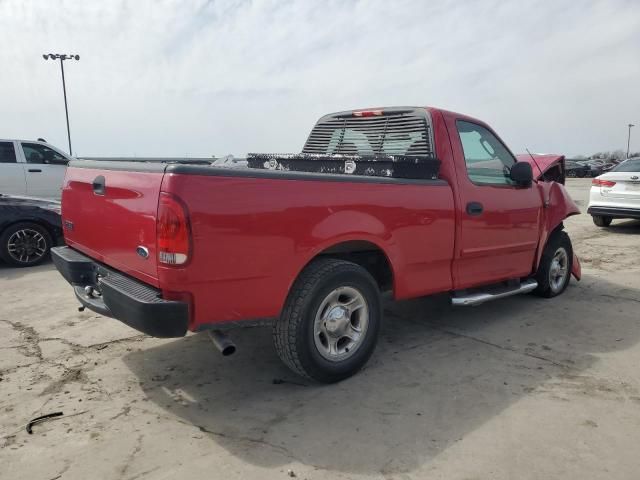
column 500, row 221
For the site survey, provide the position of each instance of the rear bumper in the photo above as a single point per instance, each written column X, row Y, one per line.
column 113, row 294
column 615, row 212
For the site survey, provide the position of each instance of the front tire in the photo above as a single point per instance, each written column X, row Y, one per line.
column 602, row 221
column 25, row 244
column 554, row 270
column 330, row 323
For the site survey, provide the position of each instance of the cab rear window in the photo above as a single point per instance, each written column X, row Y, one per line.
column 385, row 134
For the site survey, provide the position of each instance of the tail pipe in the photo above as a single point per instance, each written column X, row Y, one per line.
column 222, row 342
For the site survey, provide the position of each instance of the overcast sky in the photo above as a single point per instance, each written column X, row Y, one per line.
column 201, row 78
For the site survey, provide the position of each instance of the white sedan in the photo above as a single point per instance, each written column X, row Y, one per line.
column 616, row 194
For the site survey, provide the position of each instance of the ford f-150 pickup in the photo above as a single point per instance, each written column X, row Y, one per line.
column 415, row 201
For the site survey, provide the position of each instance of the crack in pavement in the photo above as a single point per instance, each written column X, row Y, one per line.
column 501, row 347
column 254, row 441
column 617, row 297
column 488, row 343
column 127, row 463
column 30, row 346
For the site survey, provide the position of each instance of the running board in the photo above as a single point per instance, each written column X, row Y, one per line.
column 476, row 298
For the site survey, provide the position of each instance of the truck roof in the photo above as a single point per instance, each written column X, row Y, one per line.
column 404, row 108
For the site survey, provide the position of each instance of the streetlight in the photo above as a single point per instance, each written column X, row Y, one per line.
column 629, row 138
column 63, row 57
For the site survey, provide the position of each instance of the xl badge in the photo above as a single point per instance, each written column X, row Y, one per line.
column 143, row 251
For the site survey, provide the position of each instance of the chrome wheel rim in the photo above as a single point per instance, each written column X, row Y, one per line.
column 341, row 324
column 27, row 245
column 559, row 270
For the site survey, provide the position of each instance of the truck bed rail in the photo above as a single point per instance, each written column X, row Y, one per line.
column 392, row 166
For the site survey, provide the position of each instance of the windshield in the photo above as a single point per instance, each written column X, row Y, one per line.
column 631, row 165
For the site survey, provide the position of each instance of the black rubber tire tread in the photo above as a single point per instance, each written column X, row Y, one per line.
column 557, row 239
column 602, row 221
column 10, row 230
column 288, row 339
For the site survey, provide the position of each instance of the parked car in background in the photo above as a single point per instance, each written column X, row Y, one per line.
column 595, row 166
column 31, row 167
column 575, row 169
column 616, row 193
column 29, row 227
column 596, row 169
column 411, row 200
column 598, row 166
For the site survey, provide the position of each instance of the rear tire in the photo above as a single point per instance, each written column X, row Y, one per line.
column 25, row 244
column 329, row 326
column 554, row 271
column 602, row 221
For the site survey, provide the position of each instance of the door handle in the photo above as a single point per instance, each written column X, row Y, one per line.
column 98, row 185
column 474, row 208
column 35, row 170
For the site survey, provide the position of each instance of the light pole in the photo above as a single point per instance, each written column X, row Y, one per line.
column 63, row 57
column 629, row 138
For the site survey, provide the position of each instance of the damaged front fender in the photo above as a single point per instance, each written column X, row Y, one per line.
column 558, row 205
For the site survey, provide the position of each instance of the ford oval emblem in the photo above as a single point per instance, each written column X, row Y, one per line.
column 634, row 177
column 143, row 251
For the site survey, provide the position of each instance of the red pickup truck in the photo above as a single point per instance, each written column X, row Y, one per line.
column 174, row 247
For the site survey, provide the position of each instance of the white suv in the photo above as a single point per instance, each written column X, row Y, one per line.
column 616, row 194
column 31, row 168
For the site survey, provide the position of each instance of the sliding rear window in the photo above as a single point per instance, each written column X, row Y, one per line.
column 388, row 132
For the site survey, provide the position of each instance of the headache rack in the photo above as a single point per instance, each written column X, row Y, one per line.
column 394, row 142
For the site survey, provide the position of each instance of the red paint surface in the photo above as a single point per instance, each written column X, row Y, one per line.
column 252, row 237
column 576, row 268
column 540, row 163
column 109, row 228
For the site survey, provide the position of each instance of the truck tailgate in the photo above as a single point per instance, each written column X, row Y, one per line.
column 109, row 213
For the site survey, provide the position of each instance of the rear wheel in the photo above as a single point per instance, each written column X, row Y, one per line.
column 554, row 271
column 602, row 221
column 25, row 244
column 330, row 323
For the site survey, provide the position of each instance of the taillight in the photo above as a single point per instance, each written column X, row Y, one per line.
column 173, row 233
column 597, row 182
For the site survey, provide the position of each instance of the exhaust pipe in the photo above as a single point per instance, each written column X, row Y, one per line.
column 222, row 342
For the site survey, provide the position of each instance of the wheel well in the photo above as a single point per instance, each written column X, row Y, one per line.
column 366, row 254
column 558, row 228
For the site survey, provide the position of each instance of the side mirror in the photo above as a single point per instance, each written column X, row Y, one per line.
column 58, row 161
column 522, row 174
